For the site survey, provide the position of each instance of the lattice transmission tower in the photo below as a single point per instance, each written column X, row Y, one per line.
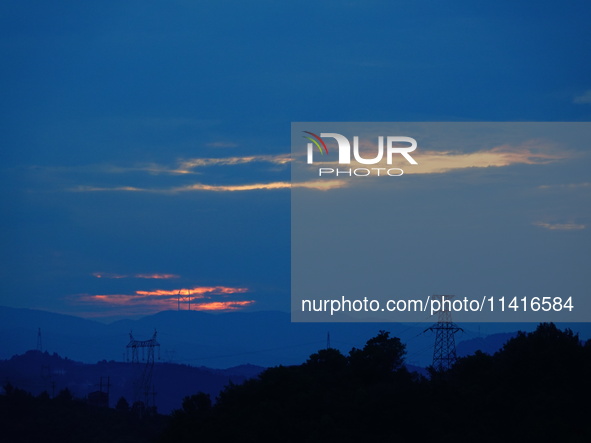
column 186, row 298
column 39, row 341
column 444, row 352
column 143, row 389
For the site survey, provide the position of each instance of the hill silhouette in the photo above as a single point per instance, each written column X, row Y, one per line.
column 25, row 418
column 533, row 389
column 36, row 372
column 225, row 340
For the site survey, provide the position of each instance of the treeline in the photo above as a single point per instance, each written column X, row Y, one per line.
column 27, row 418
column 536, row 388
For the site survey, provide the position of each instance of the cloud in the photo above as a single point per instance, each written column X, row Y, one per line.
column 157, row 276
column 231, row 188
column 200, row 298
column 150, row 168
column 584, row 98
column 320, row 185
column 126, row 311
column 200, row 290
column 569, row 186
column 98, row 188
column 433, row 162
column 107, row 275
column 189, row 166
column 146, row 276
column 560, row 226
column 438, row 162
column 430, row 162
column 223, row 305
column 186, row 166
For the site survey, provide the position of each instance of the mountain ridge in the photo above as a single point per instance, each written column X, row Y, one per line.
column 224, row 340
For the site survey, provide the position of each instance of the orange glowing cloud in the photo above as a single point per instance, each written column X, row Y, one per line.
column 138, row 309
column 222, row 305
column 197, row 290
column 198, row 298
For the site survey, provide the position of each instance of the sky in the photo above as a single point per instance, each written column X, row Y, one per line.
column 146, row 145
column 477, row 210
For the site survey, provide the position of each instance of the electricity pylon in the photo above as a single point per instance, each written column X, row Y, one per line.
column 444, row 352
column 142, row 386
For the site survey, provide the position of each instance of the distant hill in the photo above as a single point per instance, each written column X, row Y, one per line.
column 224, row 340
column 198, row 338
column 489, row 344
column 36, row 372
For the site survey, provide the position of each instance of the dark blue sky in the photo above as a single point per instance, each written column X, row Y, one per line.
column 140, row 138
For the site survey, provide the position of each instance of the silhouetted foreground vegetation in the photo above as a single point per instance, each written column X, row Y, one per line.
column 536, row 388
column 36, row 371
column 29, row 419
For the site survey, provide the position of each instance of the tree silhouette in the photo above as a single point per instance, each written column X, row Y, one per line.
column 122, row 405
column 380, row 356
column 327, row 359
column 527, row 391
column 197, row 404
